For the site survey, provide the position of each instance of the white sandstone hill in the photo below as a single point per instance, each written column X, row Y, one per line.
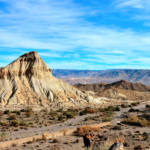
column 28, row 81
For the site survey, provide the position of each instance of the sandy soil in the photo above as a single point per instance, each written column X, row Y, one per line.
column 134, row 136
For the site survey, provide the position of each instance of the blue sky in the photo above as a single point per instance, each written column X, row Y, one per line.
column 77, row 34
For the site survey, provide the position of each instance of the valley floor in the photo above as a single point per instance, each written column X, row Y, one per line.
column 135, row 132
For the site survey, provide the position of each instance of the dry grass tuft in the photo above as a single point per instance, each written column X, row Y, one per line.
column 87, row 129
column 136, row 121
column 44, row 137
column 111, row 141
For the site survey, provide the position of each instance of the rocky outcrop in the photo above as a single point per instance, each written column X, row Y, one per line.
column 29, row 81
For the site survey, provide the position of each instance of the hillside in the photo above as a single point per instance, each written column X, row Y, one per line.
column 118, row 90
column 28, row 81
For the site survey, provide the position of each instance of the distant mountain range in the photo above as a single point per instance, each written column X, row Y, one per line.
column 102, row 76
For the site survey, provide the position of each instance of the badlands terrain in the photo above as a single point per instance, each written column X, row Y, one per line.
column 39, row 111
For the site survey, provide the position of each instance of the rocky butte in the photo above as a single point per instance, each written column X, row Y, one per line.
column 28, row 81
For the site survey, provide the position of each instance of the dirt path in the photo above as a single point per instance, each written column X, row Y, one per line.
column 67, row 124
column 36, row 131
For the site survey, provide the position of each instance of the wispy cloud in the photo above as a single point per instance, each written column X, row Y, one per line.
column 69, row 30
column 130, row 3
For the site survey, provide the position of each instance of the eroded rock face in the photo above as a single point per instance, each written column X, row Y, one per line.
column 29, row 81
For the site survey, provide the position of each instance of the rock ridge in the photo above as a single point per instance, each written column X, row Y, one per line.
column 29, row 81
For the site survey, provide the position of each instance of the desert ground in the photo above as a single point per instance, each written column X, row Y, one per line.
column 131, row 122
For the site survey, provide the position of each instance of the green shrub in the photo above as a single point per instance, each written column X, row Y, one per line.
column 14, row 123
column 28, row 114
column 147, row 106
column 136, row 121
column 23, row 123
column 116, row 128
column 3, row 123
column 53, row 115
column 109, row 108
column 135, row 104
column 124, row 106
column 6, row 112
column 12, row 117
column 61, row 118
column 70, row 113
column 87, row 110
column 2, row 136
column 16, row 112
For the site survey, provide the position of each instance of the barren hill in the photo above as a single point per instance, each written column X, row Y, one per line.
column 122, row 84
column 118, row 90
column 28, row 81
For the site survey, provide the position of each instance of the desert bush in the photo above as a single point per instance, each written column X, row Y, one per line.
column 4, row 123
column 124, row 106
column 2, row 136
column 14, row 123
column 6, row 112
column 147, row 106
column 12, row 117
column 136, row 121
column 133, row 110
column 44, row 137
column 109, row 108
column 28, row 114
column 86, row 119
column 36, row 118
column 16, row 112
column 107, row 116
column 87, row 110
column 87, row 129
column 14, row 145
column 61, row 118
column 53, row 115
column 54, row 147
column 112, row 140
column 1, row 113
column 135, row 104
column 22, row 110
column 23, row 123
column 116, row 128
column 55, row 141
column 29, row 109
column 60, row 110
column 106, row 119
column 70, row 113
column 139, row 147
column 112, row 108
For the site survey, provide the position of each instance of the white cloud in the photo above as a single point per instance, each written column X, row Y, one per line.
column 129, row 3
column 62, row 26
column 139, row 4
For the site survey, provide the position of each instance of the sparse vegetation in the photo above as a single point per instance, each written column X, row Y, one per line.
column 136, row 121
column 87, row 110
column 2, row 136
column 87, row 129
column 109, row 108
